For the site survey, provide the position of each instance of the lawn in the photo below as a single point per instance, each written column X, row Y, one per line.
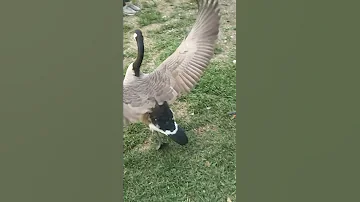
column 204, row 169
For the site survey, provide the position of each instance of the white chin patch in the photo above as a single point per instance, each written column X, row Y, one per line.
column 167, row 132
column 135, row 35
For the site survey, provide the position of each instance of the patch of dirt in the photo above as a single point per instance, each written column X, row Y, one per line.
column 227, row 36
column 145, row 146
column 165, row 8
column 181, row 111
column 207, row 128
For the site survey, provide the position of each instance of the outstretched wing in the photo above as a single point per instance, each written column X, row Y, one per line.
column 187, row 64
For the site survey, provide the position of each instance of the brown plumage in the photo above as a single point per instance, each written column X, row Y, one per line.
column 178, row 74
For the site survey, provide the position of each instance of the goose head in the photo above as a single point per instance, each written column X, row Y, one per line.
column 162, row 120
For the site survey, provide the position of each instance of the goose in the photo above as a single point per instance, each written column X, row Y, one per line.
column 147, row 97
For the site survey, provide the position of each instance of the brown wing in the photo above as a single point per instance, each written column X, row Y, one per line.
column 187, row 64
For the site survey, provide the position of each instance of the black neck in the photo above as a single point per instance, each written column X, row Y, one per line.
column 140, row 56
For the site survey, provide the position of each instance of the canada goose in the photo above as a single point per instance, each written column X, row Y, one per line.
column 146, row 97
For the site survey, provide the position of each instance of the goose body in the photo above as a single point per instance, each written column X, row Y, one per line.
column 146, row 97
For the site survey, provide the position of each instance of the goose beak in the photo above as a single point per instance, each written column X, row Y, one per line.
column 162, row 121
column 180, row 136
column 177, row 134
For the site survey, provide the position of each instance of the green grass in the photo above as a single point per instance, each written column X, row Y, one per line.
column 149, row 15
column 204, row 169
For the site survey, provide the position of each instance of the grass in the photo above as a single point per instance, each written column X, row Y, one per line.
column 150, row 15
column 205, row 169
